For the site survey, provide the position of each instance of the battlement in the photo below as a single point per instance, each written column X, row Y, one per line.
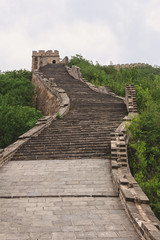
column 131, row 65
column 43, row 53
column 41, row 58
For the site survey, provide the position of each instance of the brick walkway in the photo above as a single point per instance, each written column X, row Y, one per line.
column 49, row 200
column 54, row 178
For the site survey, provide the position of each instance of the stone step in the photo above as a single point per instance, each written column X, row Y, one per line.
column 61, row 151
column 64, row 145
column 60, row 156
column 68, row 139
column 84, row 131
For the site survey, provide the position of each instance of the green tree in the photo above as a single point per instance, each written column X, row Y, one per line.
column 17, row 114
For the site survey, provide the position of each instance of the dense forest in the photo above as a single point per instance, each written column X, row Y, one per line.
column 144, row 149
column 17, row 112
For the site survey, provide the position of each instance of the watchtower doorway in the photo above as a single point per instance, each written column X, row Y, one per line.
column 54, row 61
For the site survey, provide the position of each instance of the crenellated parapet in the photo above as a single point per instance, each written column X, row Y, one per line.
column 135, row 201
column 131, row 65
column 41, row 58
column 130, row 99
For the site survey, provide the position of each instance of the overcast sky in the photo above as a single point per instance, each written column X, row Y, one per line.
column 121, row 31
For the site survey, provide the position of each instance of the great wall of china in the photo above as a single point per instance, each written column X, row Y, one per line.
column 132, row 65
column 68, row 177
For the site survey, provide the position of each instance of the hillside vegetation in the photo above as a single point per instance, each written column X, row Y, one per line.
column 17, row 114
column 144, row 150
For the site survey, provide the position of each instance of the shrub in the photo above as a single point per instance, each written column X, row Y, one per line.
column 17, row 114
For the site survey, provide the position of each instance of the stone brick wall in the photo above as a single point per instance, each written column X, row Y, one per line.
column 65, row 61
column 130, row 99
column 7, row 153
column 45, row 101
column 133, row 198
column 42, row 58
column 75, row 72
column 49, row 98
column 132, row 65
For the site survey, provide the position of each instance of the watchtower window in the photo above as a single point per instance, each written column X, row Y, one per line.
column 54, row 61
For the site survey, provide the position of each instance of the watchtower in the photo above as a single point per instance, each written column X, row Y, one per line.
column 41, row 58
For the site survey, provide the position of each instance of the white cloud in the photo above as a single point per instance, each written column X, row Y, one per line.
column 95, row 42
column 153, row 20
column 102, row 30
column 14, row 51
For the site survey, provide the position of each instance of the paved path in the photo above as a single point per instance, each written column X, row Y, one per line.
column 59, row 177
column 64, row 218
column 61, row 199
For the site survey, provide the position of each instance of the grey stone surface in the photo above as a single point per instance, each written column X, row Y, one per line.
column 64, row 218
column 58, row 177
column 31, row 207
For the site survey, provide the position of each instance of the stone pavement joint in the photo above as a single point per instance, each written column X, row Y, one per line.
column 82, row 177
column 64, row 218
column 61, row 216
column 57, row 196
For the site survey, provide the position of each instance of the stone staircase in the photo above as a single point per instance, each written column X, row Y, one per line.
column 58, row 185
column 84, row 132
